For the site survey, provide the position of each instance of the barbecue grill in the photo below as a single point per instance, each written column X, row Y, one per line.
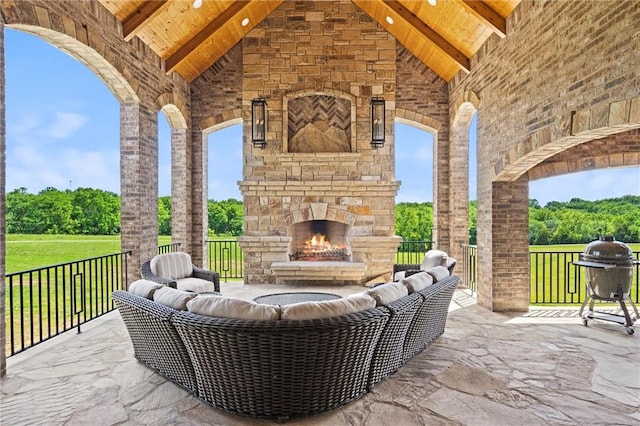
column 609, row 270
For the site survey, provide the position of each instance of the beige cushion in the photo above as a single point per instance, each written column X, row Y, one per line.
column 417, row 282
column 438, row 273
column 144, row 288
column 433, row 258
column 177, row 299
column 387, row 293
column 197, row 285
column 172, row 265
column 227, row 307
column 327, row 308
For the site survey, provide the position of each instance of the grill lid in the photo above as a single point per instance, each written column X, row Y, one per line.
column 608, row 251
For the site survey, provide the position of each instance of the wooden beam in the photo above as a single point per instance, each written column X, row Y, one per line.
column 181, row 54
column 431, row 34
column 136, row 21
column 487, row 15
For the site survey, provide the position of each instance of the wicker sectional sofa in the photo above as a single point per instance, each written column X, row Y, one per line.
column 284, row 368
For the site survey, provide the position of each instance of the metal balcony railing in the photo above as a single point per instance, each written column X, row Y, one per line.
column 45, row 302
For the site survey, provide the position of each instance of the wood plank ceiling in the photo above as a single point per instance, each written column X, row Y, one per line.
column 444, row 35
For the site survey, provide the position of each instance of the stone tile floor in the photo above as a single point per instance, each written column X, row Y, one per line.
column 539, row 368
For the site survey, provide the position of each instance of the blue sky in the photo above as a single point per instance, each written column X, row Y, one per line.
column 63, row 132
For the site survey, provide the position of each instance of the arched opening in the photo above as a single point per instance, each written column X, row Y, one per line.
column 414, row 168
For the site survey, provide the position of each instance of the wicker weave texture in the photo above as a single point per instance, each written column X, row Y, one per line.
column 430, row 319
column 389, row 355
column 281, row 369
column 214, row 277
column 156, row 342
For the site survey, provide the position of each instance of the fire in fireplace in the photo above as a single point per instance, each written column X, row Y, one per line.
column 317, row 246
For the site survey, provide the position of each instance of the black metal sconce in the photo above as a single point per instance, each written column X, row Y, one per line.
column 377, row 122
column 259, row 122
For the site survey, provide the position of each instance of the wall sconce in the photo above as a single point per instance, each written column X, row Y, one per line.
column 259, row 122
column 377, row 122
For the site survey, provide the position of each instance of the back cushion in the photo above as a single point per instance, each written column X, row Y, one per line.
column 228, row 307
column 327, row 308
column 418, row 282
column 433, row 258
column 387, row 293
column 172, row 265
column 438, row 273
column 144, row 288
column 176, row 299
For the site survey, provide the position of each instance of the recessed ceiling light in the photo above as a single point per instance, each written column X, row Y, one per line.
column 197, row 4
column 432, row 2
column 389, row 20
column 245, row 22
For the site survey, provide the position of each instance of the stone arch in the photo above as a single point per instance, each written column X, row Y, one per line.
column 173, row 110
column 320, row 211
column 583, row 126
column 324, row 92
column 112, row 78
column 220, row 121
column 418, row 120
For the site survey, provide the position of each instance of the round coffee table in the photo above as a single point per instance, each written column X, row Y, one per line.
column 295, row 297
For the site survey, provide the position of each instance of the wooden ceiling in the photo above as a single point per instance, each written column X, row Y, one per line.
column 444, row 36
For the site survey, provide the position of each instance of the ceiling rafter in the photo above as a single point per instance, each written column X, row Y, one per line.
column 487, row 15
column 181, row 54
column 450, row 50
column 142, row 16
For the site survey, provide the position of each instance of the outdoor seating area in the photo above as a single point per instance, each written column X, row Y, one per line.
column 285, row 361
column 488, row 368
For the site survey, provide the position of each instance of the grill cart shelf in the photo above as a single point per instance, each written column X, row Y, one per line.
column 609, row 270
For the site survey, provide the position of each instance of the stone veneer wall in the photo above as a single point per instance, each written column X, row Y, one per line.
column 558, row 58
column 326, row 48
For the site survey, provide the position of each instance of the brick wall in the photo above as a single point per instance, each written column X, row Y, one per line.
column 558, row 60
column 3, row 189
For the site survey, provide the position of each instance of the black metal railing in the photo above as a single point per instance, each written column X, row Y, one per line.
column 226, row 258
column 554, row 278
column 412, row 251
column 470, row 267
column 45, row 302
column 168, row 248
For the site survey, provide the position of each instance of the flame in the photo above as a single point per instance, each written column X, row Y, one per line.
column 319, row 243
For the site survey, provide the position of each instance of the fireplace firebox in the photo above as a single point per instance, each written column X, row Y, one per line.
column 319, row 240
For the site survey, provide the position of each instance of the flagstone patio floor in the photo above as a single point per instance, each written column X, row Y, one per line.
column 539, row 368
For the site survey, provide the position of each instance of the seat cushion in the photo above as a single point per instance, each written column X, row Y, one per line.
column 327, row 308
column 196, row 285
column 387, row 293
column 433, row 258
column 144, row 288
column 417, row 282
column 229, row 307
column 172, row 265
column 176, row 299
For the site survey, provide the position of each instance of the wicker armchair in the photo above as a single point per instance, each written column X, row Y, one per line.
column 176, row 270
column 431, row 259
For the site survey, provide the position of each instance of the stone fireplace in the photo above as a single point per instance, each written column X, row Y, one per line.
column 318, row 74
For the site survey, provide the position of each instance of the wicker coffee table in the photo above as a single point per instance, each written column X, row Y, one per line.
column 303, row 296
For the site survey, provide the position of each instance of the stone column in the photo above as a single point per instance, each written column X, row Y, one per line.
column 138, row 184
column 503, row 255
column 441, row 202
column 181, row 189
column 3, row 227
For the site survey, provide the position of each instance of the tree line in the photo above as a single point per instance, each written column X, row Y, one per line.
column 90, row 211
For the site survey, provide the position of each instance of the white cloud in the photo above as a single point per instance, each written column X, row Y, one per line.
column 65, row 125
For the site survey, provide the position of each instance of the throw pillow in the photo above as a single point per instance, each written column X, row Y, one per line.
column 387, row 293
column 228, row 307
column 327, row 308
column 176, row 299
column 144, row 288
column 418, row 282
